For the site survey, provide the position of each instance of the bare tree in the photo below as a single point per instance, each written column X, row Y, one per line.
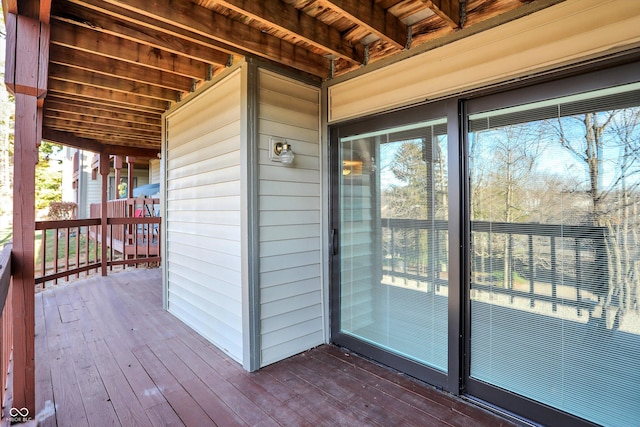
column 505, row 159
column 612, row 200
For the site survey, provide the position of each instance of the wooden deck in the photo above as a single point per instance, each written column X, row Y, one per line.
column 107, row 354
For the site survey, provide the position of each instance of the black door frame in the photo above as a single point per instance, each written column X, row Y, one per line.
column 449, row 109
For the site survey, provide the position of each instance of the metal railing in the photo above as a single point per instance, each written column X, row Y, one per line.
column 415, row 250
column 520, row 260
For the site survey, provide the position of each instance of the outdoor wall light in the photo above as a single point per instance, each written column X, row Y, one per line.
column 281, row 151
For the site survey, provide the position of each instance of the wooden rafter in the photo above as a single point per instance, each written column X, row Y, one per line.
column 88, row 104
column 100, row 17
column 135, row 101
column 67, row 138
column 60, row 106
column 101, row 81
column 127, row 51
column 221, row 31
column 288, row 19
column 372, row 16
column 89, row 62
column 100, row 122
column 448, row 10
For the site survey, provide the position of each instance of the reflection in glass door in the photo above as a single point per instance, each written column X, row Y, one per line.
column 554, row 254
column 393, row 241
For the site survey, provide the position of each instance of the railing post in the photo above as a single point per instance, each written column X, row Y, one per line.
column 117, row 165
column 578, row 258
column 26, row 76
column 532, row 272
column 104, row 173
column 554, row 272
column 130, row 166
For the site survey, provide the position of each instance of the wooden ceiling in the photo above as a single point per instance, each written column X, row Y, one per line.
column 116, row 65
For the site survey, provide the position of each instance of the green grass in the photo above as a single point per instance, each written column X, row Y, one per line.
column 5, row 236
column 6, row 229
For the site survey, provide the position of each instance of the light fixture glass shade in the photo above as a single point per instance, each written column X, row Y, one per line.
column 286, row 155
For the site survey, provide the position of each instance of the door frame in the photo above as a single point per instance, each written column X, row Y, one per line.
column 449, row 381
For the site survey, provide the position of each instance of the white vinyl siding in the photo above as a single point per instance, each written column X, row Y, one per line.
column 92, row 192
column 289, row 199
column 154, row 171
column 203, row 211
column 550, row 38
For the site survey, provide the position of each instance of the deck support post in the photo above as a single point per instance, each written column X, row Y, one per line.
column 26, row 77
column 130, row 166
column 117, row 165
column 104, row 174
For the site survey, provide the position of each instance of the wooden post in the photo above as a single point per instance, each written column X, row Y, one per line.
column 117, row 165
column 104, row 173
column 130, row 165
column 25, row 77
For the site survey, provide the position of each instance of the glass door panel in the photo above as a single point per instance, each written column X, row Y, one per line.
column 394, row 242
column 555, row 197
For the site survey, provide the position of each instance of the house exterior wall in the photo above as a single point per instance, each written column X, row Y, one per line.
column 154, row 171
column 566, row 33
column 290, row 208
column 203, row 210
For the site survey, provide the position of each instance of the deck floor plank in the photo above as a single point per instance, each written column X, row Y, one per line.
column 125, row 402
column 241, row 407
column 108, row 354
column 416, row 408
column 163, row 415
column 186, row 408
column 44, row 397
column 363, row 397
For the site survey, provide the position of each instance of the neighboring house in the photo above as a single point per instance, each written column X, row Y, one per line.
column 466, row 212
column 81, row 185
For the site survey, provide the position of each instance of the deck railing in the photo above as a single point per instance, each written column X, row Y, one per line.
column 415, row 250
column 540, row 258
column 74, row 247
column 66, row 249
column 121, row 238
column 6, row 334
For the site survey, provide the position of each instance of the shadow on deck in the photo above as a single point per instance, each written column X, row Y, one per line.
column 107, row 354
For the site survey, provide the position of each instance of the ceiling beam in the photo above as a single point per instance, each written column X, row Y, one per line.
column 448, row 10
column 102, row 81
column 71, row 140
column 105, row 95
column 288, row 19
column 112, row 67
column 372, row 16
column 106, row 135
column 102, row 122
column 235, row 36
column 110, row 46
column 90, row 111
column 92, row 17
column 92, row 104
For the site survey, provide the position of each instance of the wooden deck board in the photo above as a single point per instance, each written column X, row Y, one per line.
column 107, row 354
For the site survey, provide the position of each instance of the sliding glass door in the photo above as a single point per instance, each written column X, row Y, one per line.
column 392, row 193
column 554, row 255
column 491, row 246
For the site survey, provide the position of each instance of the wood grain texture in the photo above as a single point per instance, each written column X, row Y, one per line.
column 125, row 361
